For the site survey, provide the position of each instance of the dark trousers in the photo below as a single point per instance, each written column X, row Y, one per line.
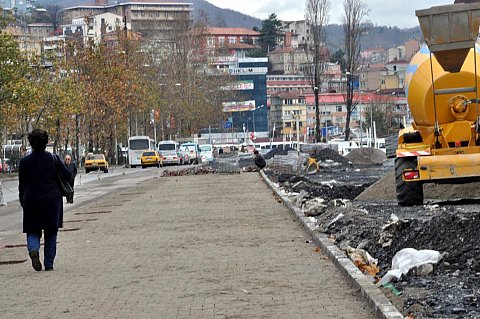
column 70, row 198
column 49, row 247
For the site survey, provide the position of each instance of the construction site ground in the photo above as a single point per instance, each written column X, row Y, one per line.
column 354, row 203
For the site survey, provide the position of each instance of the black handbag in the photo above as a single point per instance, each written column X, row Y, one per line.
column 65, row 187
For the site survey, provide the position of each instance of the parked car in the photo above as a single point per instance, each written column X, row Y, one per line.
column 170, row 157
column 206, row 153
column 193, row 152
column 95, row 162
column 151, row 158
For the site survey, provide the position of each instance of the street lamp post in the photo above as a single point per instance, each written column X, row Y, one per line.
column 253, row 112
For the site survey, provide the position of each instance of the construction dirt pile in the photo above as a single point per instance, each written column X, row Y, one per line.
column 326, row 154
column 384, row 189
column 356, row 206
column 366, row 155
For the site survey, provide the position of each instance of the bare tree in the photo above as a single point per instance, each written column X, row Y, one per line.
column 53, row 15
column 354, row 27
column 317, row 15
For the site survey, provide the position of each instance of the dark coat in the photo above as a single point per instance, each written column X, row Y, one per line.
column 259, row 161
column 72, row 167
column 39, row 191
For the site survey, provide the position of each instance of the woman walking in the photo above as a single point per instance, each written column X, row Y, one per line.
column 41, row 199
column 72, row 167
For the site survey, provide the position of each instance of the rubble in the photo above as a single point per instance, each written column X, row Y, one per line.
column 196, row 170
column 355, row 205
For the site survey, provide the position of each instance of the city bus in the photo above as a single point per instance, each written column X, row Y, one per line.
column 136, row 146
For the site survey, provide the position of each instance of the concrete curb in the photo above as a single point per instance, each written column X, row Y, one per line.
column 375, row 299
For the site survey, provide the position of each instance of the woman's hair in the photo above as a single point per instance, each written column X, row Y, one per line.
column 38, row 139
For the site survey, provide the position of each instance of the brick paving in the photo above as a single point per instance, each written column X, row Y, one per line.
column 209, row 246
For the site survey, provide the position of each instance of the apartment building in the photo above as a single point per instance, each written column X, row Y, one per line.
column 218, row 38
column 29, row 37
column 155, row 20
column 297, row 33
column 288, row 114
column 19, row 6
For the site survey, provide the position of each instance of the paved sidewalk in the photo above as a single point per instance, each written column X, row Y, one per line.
column 209, row 246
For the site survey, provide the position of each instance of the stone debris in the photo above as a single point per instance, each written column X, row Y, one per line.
column 359, row 209
column 196, row 170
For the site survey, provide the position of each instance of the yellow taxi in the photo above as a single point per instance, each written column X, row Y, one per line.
column 151, row 158
column 95, row 162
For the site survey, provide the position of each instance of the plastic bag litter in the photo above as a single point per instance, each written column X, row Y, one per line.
column 409, row 258
column 363, row 260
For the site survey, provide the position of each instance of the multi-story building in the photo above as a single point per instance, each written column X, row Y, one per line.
column 18, row 6
column 281, row 82
column 288, row 60
column 250, row 114
column 29, row 37
column 395, row 75
column 94, row 27
column 157, row 21
column 218, row 38
column 297, row 33
column 288, row 114
column 370, row 76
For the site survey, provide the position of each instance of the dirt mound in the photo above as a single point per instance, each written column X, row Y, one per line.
column 329, row 154
column 384, row 189
column 366, row 155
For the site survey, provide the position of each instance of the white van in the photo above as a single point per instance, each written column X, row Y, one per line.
column 206, row 153
column 169, row 151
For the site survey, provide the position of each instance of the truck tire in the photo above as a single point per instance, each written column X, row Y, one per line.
column 408, row 193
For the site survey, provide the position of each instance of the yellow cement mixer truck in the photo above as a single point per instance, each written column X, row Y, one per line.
column 442, row 86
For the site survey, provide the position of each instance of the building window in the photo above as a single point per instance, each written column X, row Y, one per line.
column 211, row 42
column 232, row 40
column 339, row 108
column 221, row 41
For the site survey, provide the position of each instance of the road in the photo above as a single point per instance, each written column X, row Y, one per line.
column 88, row 187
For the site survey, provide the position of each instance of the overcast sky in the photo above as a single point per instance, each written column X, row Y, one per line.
column 400, row 13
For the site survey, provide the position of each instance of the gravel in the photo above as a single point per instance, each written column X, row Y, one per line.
column 358, row 200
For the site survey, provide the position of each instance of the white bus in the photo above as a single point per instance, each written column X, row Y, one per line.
column 169, row 151
column 136, row 146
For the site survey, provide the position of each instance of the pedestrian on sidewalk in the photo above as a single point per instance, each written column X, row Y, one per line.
column 259, row 160
column 72, row 167
column 41, row 199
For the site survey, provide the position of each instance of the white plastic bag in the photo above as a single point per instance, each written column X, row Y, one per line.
column 409, row 258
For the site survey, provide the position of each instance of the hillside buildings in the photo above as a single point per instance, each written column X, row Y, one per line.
column 156, row 21
column 18, row 6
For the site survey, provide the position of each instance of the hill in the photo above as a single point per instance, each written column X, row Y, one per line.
column 377, row 35
column 215, row 16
